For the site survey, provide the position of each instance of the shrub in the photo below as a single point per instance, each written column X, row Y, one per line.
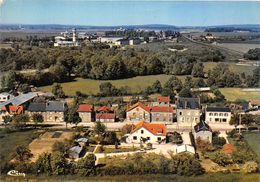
column 250, row 167
column 220, row 158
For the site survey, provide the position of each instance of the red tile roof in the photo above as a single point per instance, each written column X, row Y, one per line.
column 105, row 116
column 163, row 99
column 161, row 109
column 85, row 108
column 16, row 109
column 154, row 128
column 255, row 101
column 104, row 109
column 139, row 104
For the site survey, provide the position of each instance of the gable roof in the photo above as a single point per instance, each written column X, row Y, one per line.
column 162, row 109
column 37, row 107
column 104, row 109
column 105, row 116
column 255, row 101
column 202, row 126
column 56, row 106
column 139, row 104
column 154, row 128
column 85, row 108
column 163, row 99
column 218, row 109
column 188, row 103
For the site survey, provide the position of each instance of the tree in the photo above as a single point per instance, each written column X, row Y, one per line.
column 37, row 118
column 58, row 164
column 185, row 92
column 19, row 121
column 156, row 87
column 99, row 128
column 22, row 153
column 72, row 116
column 197, row 70
column 86, row 166
column 58, row 91
column 247, row 119
column 107, row 89
column 61, row 147
column 7, row 120
column 221, row 159
column 174, row 84
column 43, row 164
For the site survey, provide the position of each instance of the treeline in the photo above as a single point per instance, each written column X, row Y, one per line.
column 253, row 54
column 137, row 164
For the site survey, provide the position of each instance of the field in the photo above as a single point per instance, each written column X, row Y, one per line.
column 232, row 94
column 239, row 46
column 90, row 86
column 248, row 69
column 253, row 141
column 9, row 142
column 45, row 142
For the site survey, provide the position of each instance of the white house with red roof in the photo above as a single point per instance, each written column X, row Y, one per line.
column 145, row 132
column 85, row 112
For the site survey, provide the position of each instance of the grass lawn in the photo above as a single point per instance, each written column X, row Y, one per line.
column 232, row 66
column 232, row 94
column 9, row 142
column 253, row 140
column 89, row 86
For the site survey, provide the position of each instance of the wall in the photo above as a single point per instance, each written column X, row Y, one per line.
column 216, row 115
column 138, row 114
column 188, row 116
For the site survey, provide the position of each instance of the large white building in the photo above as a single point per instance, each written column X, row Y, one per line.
column 65, row 40
column 217, row 115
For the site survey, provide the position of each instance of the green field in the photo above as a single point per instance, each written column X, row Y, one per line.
column 9, row 142
column 90, row 86
column 232, row 94
column 253, row 139
column 232, row 66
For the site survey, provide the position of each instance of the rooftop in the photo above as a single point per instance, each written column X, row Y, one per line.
column 154, row 128
column 85, row 108
column 188, row 103
column 163, row 99
column 105, row 116
column 20, row 99
column 202, row 126
column 218, row 109
column 56, row 106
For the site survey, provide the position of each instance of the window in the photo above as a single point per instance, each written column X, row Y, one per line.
column 148, row 138
column 210, row 113
column 142, row 131
column 159, row 138
column 135, row 137
column 220, row 114
column 157, row 119
column 137, row 109
column 217, row 119
column 226, row 114
column 215, row 114
column 224, row 120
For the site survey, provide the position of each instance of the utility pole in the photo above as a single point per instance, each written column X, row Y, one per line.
column 240, row 123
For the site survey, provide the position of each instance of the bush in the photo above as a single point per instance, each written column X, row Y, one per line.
column 220, row 158
column 250, row 167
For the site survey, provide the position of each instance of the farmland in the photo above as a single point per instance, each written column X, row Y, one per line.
column 89, row 86
column 232, row 94
column 253, row 141
column 239, row 46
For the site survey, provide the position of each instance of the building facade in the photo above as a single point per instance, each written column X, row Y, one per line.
column 85, row 112
column 217, row 115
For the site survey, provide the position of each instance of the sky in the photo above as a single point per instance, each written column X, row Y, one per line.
column 121, row 12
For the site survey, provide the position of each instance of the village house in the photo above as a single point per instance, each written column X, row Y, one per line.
column 217, row 115
column 203, row 131
column 105, row 114
column 52, row 111
column 162, row 101
column 10, row 111
column 144, row 132
column 188, row 111
column 85, row 112
column 254, row 104
column 158, row 113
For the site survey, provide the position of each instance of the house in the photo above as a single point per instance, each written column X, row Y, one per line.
column 85, row 112
column 158, row 113
column 122, row 42
column 134, row 41
column 254, row 104
column 55, row 111
column 138, row 112
column 203, row 131
column 105, row 114
column 162, row 101
column 147, row 132
column 188, row 111
column 217, row 115
column 10, row 111
column 52, row 111
column 5, row 96
column 184, row 148
column 162, row 114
